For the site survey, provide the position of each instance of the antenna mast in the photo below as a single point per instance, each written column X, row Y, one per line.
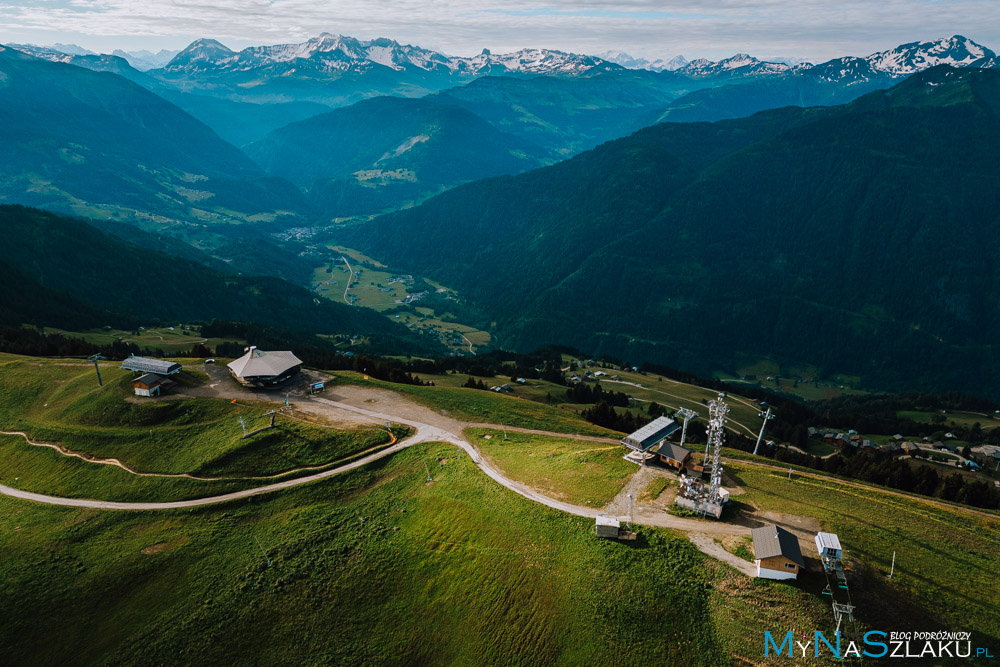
column 717, row 411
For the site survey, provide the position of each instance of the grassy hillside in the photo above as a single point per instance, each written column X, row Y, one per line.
column 486, row 407
column 455, row 571
column 576, row 471
column 379, row 153
column 379, row 565
column 945, row 558
column 60, row 402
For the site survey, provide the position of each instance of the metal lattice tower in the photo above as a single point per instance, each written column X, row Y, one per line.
column 686, row 415
column 717, row 411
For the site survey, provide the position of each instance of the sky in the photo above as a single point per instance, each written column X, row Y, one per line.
column 811, row 29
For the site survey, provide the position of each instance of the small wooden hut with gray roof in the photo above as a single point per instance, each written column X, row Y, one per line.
column 777, row 552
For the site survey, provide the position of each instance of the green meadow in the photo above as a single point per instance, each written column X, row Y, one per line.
column 373, row 567
column 61, row 403
column 575, row 471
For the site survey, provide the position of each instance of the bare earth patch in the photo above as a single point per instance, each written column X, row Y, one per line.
column 161, row 547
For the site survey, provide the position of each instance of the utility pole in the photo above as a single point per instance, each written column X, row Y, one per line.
column 893, row 568
column 95, row 358
column 766, row 416
column 429, row 478
column 504, row 431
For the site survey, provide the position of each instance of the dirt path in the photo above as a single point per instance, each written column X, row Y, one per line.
column 425, row 432
column 621, row 503
column 708, row 546
column 358, row 404
column 89, row 458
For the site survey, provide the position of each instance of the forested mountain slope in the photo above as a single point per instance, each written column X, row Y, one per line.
column 861, row 238
column 107, row 273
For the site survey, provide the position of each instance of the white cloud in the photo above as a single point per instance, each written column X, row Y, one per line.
column 816, row 29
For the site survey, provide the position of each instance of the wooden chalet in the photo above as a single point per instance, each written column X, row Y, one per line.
column 150, row 384
column 777, row 552
column 673, row 455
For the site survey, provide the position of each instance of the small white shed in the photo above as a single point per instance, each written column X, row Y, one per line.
column 607, row 526
column 828, row 545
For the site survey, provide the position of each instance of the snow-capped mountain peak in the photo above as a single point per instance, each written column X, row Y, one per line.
column 201, row 54
column 529, row 61
column 629, row 62
column 741, row 64
column 957, row 51
column 673, row 64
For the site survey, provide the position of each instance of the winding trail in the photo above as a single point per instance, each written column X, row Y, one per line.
column 423, row 433
column 350, row 279
column 132, row 471
column 702, row 533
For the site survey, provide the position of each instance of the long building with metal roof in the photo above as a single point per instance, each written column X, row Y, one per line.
column 655, row 431
column 148, row 365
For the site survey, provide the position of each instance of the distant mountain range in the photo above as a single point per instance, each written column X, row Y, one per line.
column 658, row 65
column 546, row 106
column 829, row 224
column 338, row 54
column 146, row 60
column 900, row 61
column 860, row 238
column 332, row 54
column 244, row 95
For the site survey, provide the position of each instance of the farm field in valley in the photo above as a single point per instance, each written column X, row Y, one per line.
column 375, row 285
